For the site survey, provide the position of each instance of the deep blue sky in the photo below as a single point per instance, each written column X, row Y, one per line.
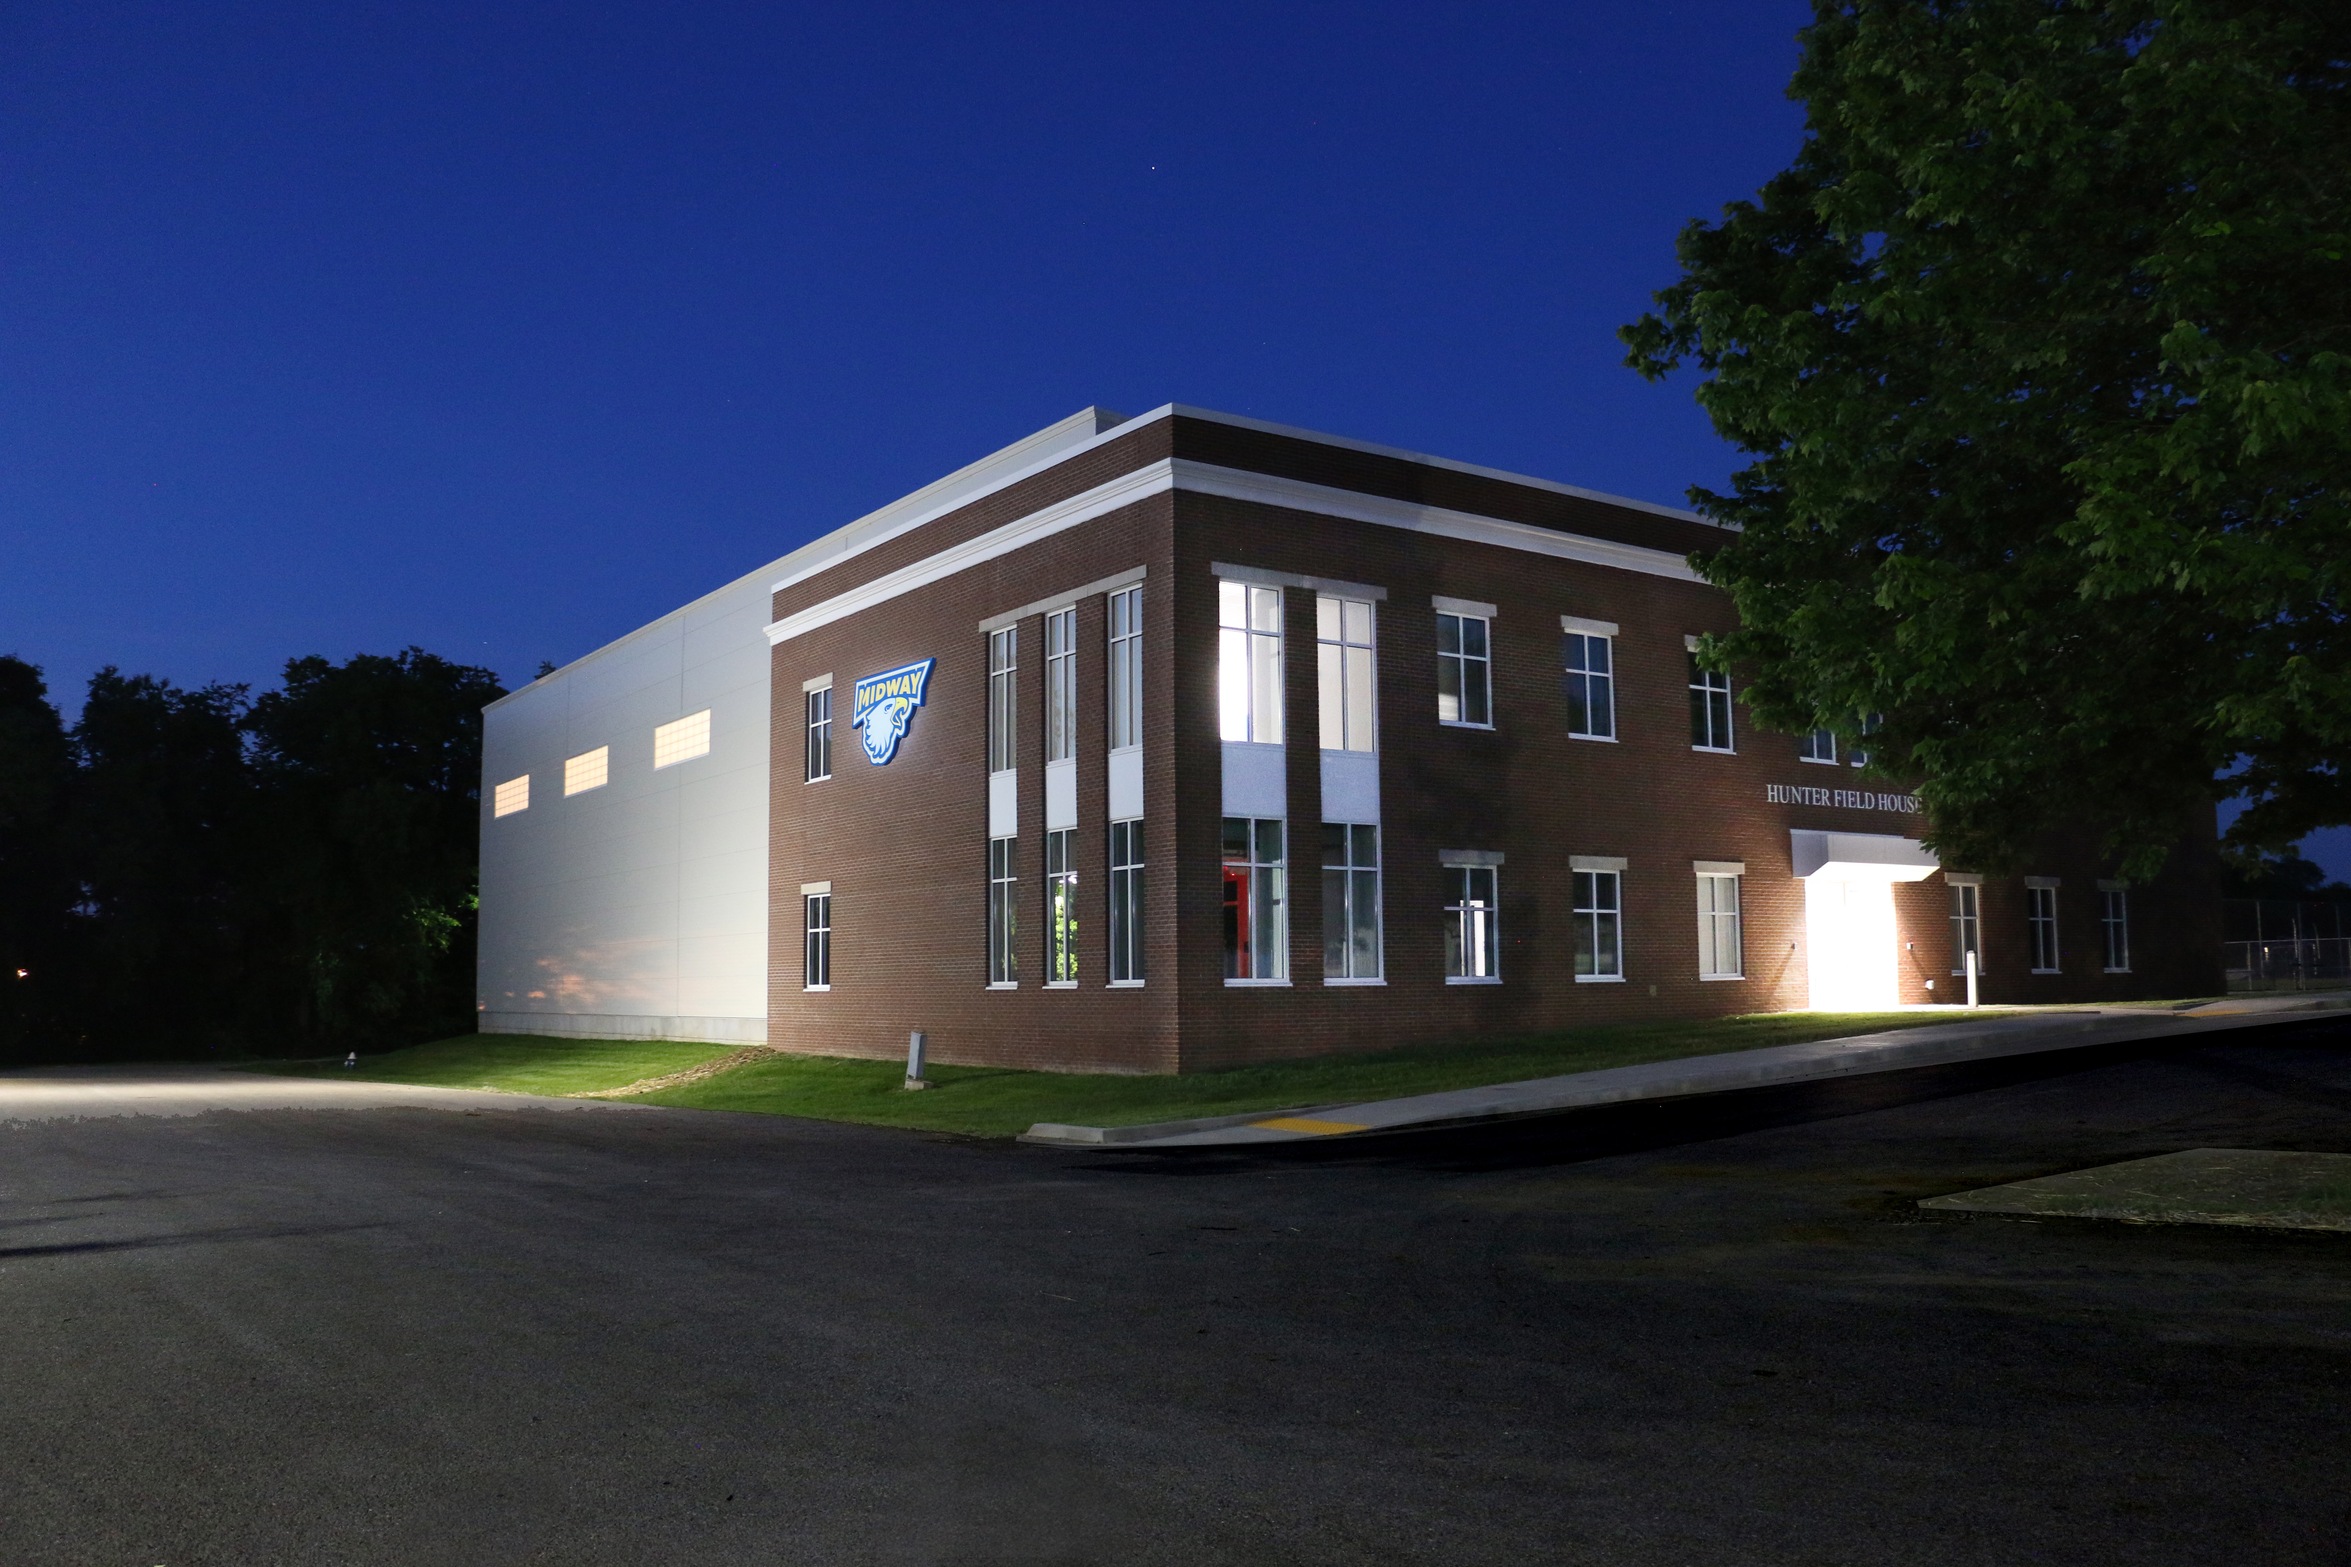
column 502, row 329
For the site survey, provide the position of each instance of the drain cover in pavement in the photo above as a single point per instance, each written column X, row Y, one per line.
column 2286, row 1191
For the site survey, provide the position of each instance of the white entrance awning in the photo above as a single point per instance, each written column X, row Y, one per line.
column 1860, row 856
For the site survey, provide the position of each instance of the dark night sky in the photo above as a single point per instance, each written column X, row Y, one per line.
column 502, row 329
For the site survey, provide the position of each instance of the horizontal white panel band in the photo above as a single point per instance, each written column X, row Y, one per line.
column 1963, row 878
column 1111, row 584
column 2044, row 881
column 1689, row 643
column 1477, row 607
column 1230, row 484
column 1719, row 867
column 1469, row 856
column 1292, row 579
column 1590, row 628
column 816, row 889
column 2113, row 886
column 1597, row 862
column 817, row 683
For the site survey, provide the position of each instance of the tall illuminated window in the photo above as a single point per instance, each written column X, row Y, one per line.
column 1710, row 707
column 1249, row 662
column 1061, row 685
column 1967, row 926
column 682, row 740
column 1721, row 953
column 1344, row 662
column 1599, row 925
column 1350, row 901
column 1126, row 669
column 1126, row 902
column 818, row 763
column 1473, row 946
column 511, row 796
column 1003, row 914
column 588, row 770
column 1061, row 908
column 1003, row 709
column 1256, row 900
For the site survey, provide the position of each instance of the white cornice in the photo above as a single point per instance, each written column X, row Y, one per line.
column 1232, row 484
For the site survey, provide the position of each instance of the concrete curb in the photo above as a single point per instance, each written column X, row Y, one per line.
column 1894, row 1051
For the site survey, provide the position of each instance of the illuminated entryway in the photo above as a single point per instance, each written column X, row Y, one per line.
column 1853, row 950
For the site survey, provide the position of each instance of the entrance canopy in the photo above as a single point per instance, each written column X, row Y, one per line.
column 1860, row 856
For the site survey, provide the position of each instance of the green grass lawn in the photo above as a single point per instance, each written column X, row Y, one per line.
column 986, row 1102
column 517, row 1063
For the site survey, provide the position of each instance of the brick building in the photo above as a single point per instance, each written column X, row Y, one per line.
column 1181, row 741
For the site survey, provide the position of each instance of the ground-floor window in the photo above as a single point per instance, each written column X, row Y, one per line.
column 1473, row 944
column 1350, row 901
column 1003, row 914
column 2114, row 919
column 2041, row 917
column 1061, row 908
column 1966, row 927
column 816, row 970
column 1599, row 917
column 1126, row 902
column 1256, row 899
column 1720, row 952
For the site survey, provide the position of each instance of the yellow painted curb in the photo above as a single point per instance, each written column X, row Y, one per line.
column 1308, row 1125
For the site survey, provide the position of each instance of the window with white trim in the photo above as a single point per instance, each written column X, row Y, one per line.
column 1249, row 662
column 819, row 762
column 1967, row 926
column 1721, row 954
column 1345, row 664
column 2041, row 920
column 1061, row 685
column 2114, row 923
column 1126, row 668
column 1591, row 686
column 588, row 770
column 1061, row 908
column 1350, row 901
column 511, row 796
column 1869, row 726
column 816, row 962
column 1003, row 699
column 1126, row 902
column 1465, row 666
column 1473, row 924
column 1256, row 899
column 681, row 740
column 1599, row 925
column 1710, row 707
column 1819, row 746
column 1003, row 913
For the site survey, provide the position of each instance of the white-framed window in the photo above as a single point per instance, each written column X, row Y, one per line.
column 511, row 796
column 1345, row 662
column 1473, row 924
column 1721, row 954
column 2114, row 923
column 816, row 961
column 1869, row 726
column 819, row 710
column 1126, row 669
column 1819, row 746
column 1061, row 908
column 1465, row 670
column 1249, row 662
column 1350, row 901
column 2041, row 922
column 1591, row 685
column 1003, row 699
column 1256, row 900
column 1061, row 685
column 1126, row 902
column 588, row 770
column 681, row 740
column 1710, row 706
column 1599, row 925
column 1967, row 926
column 1003, row 912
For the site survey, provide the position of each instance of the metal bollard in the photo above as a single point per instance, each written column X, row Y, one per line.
column 1971, row 1000
column 915, row 1044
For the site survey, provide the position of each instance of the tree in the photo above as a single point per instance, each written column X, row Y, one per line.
column 36, row 886
column 365, row 891
column 2042, row 349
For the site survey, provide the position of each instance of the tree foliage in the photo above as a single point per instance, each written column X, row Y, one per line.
column 2042, row 349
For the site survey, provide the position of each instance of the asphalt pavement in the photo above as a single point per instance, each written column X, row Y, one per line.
column 412, row 1334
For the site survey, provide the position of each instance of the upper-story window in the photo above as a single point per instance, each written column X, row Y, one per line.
column 588, row 770
column 1710, row 706
column 1343, row 655
column 1869, row 726
column 1061, row 685
column 819, row 764
column 1249, row 662
column 1465, row 663
column 1126, row 669
column 1820, row 746
column 513, row 795
column 682, row 740
column 1590, row 661
column 1003, row 671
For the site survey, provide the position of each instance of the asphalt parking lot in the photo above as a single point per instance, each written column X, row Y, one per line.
column 418, row 1335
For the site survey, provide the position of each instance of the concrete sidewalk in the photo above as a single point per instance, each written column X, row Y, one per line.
column 65, row 1093
column 2058, row 1029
